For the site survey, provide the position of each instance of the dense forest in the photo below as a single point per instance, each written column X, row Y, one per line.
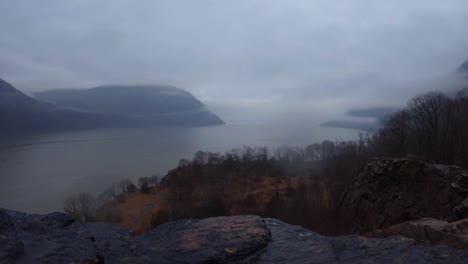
column 300, row 185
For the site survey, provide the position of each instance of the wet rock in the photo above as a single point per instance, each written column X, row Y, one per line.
column 429, row 231
column 5, row 221
column 294, row 244
column 211, row 240
column 10, row 245
column 54, row 238
column 391, row 191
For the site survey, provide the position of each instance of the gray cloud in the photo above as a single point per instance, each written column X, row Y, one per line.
column 248, row 60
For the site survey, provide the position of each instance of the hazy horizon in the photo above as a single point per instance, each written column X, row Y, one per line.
column 248, row 61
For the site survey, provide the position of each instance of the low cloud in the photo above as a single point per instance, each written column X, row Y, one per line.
column 248, row 60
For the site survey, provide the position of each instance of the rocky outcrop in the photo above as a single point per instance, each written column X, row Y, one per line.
column 56, row 238
column 429, row 231
column 11, row 247
column 294, row 244
column 211, row 240
column 392, row 191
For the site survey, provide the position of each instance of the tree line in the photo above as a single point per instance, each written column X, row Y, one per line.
column 303, row 185
column 433, row 128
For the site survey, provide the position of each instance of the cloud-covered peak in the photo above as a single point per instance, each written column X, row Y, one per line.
column 292, row 56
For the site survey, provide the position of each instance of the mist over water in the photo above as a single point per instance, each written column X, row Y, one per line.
column 38, row 172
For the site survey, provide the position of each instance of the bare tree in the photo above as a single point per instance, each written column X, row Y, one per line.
column 81, row 207
column 395, row 136
column 123, row 185
column 154, row 180
column 108, row 194
column 427, row 112
column 144, row 183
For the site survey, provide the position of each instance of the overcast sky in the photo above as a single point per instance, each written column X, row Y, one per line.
column 248, row 60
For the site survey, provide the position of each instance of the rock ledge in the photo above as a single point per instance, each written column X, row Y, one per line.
column 55, row 238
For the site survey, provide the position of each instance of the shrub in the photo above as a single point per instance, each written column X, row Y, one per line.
column 81, row 207
column 131, row 188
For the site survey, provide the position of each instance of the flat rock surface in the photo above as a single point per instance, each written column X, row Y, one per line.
column 211, row 240
column 55, row 238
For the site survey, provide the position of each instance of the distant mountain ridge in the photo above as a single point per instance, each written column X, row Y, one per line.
column 157, row 104
column 140, row 100
column 107, row 106
column 12, row 99
column 19, row 112
column 367, row 126
column 463, row 69
column 379, row 114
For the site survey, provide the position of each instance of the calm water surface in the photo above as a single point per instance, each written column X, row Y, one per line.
column 38, row 172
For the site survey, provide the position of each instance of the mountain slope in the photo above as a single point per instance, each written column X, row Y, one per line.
column 14, row 100
column 379, row 114
column 164, row 105
column 140, row 100
column 463, row 69
column 21, row 113
column 100, row 107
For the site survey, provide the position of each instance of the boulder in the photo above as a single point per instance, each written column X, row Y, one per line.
column 429, row 231
column 55, row 238
column 392, row 191
column 297, row 245
column 11, row 246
